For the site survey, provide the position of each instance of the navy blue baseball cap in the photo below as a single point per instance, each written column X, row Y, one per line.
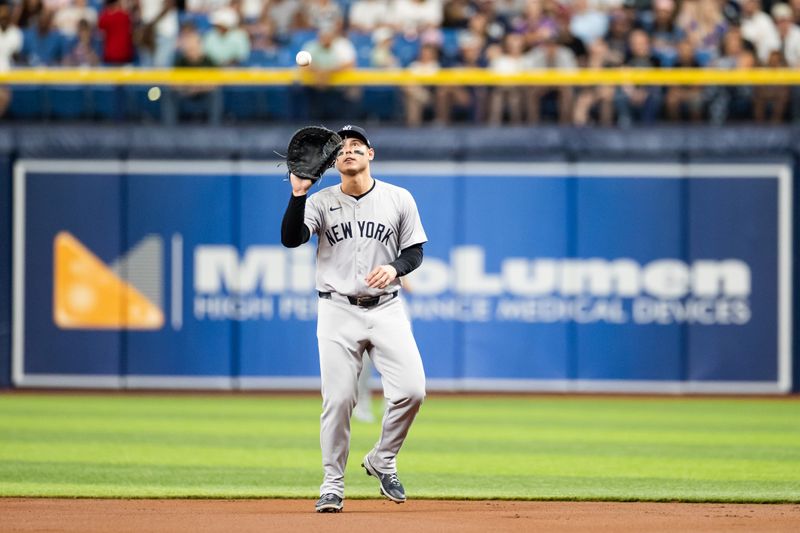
column 354, row 131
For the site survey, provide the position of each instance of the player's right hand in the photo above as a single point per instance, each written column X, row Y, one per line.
column 300, row 186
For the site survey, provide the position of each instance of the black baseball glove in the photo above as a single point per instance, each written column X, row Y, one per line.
column 312, row 151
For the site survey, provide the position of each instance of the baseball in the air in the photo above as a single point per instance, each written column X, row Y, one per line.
column 303, row 58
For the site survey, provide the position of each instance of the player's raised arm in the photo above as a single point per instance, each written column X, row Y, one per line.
column 293, row 230
column 311, row 151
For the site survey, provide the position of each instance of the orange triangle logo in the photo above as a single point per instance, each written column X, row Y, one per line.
column 89, row 295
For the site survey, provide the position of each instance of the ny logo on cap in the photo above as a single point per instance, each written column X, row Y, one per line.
column 348, row 127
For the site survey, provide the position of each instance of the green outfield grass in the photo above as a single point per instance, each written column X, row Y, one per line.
column 570, row 448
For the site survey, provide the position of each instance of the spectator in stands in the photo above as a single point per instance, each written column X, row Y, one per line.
column 10, row 39
column 117, row 27
column 497, row 24
column 508, row 9
column 158, row 33
column 43, row 44
column 10, row 47
column 550, row 55
column 263, row 36
column 598, row 99
column 552, row 8
column 771, row 100
column 619, row 29
column 83, row 52
column 703, row 23
column 478, row 28
column 758, row 28
column 332, row 53
column 507, row 100
column 418, row 99
column 725, row 101
column 733, row 50
column 226, row 43
column 689, row 97
column 191, row 52
column 367, row 15
column 68, row 17
column 644, row 101
column 432, row 35
column 194, row 100
column 382, row 55
column 460, row 102
column 27, row 12
column 566, row 38
column 412, row 16
column 324, row 14
column 588, row 23
column 789, row 34
column 534, row 24
column 457, row 13
column 287, row 16
column 664, row 31
column 249, row 10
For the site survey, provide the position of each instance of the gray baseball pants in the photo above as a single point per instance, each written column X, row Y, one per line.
column 344, row 332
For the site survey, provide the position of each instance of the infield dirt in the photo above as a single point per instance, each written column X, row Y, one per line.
column 421, row 516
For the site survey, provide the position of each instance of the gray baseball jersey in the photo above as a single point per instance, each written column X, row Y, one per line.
column 355, row 236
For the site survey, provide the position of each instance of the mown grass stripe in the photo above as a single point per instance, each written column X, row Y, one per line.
column 584, row 448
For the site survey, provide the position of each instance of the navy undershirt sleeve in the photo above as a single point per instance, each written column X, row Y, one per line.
column 409, row 259
column 294, row 232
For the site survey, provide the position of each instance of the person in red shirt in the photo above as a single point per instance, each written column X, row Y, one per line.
column 117, row 27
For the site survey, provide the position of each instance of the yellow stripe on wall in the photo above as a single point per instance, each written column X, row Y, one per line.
column 398, row 77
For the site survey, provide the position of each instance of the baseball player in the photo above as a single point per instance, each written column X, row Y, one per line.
column 369, row 234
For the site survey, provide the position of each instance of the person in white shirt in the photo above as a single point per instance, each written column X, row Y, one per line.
column 286, row 14
column 509, row 99
column 251, row 9
column 551, row 55
column 413, row 16
column 789, row 34
column 367, row 15
column 10, row 45
column 67, row 18
column 226, row 43
column 758, row 28
column 10, row 39
column 587, row 23
column 323, row 14
column 417, row 98
column 160, row 29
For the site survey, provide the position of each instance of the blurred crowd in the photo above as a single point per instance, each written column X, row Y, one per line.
column 503, row 36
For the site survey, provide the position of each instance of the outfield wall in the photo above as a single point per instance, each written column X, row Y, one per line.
column 644, row 272
column 5, row 272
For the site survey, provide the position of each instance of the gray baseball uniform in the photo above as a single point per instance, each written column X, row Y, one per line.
column 355, row 236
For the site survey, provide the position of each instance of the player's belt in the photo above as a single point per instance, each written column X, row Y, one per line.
column 361, row 301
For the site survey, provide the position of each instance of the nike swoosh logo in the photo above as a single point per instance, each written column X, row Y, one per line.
column 335, row 208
